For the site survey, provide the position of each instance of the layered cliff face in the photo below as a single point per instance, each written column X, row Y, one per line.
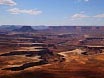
column 26, row 55
column 76, row 66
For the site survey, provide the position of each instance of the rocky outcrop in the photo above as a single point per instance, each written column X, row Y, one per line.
column 25, row 29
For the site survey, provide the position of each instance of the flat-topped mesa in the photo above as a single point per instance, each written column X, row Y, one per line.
column 25, row 29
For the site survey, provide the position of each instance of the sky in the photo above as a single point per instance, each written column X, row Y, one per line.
column 52, row 12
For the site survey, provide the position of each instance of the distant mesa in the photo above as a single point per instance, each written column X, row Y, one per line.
column 8, row 27
column 25, row 29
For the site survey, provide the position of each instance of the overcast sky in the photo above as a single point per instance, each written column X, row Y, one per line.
column 52, row 12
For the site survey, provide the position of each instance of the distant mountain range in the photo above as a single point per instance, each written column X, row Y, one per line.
column 21, row 28
column 9, row 27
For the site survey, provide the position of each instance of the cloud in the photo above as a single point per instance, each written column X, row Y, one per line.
column 99, row 16
column 24, row 11
column 80, row 15
column 7, row 2
column 86, row 0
